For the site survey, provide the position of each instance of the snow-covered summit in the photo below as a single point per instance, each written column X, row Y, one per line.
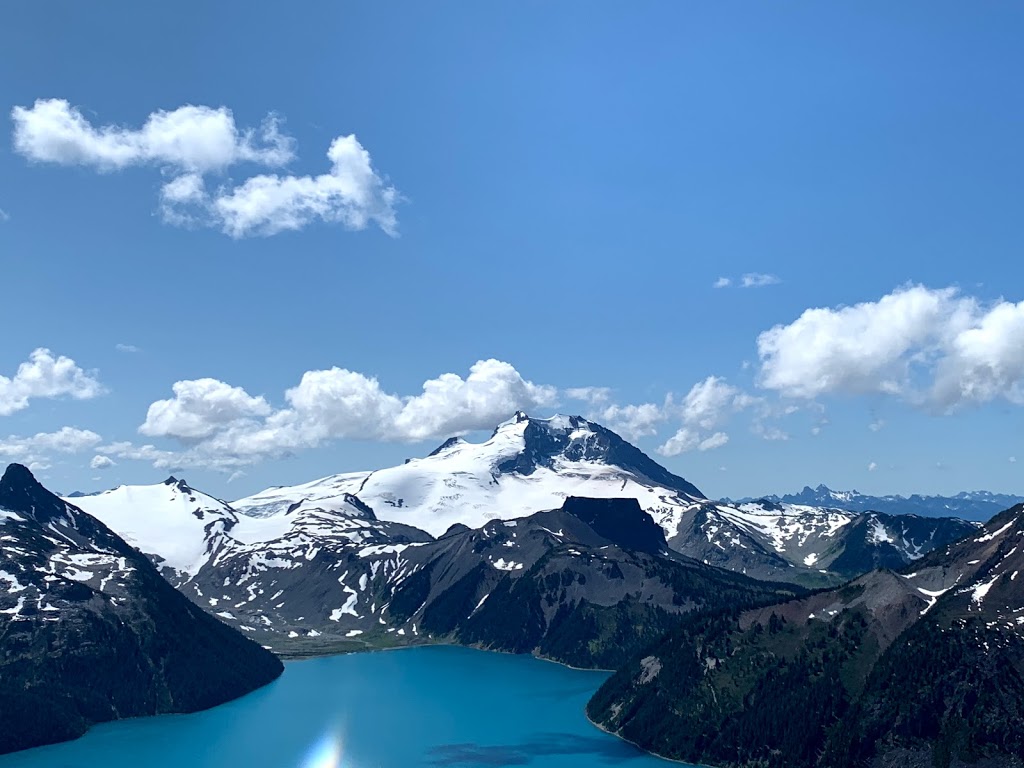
column 527, row 464
column 170, row 519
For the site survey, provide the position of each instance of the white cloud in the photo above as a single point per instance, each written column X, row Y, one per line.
column 101, row 462
column 4, row 215
column 1013, row 459
column 46, row 376
column 161, row 459
column 223, row 427
column 722, row 282
column 591, row 395
column 872, row 467
column 933, row 347
column 984, row 361
column 877, row 425
column 38, row 448
column 351, row 194
column 716, row 440
column 128, row 348
column 190, row 138
column 633, row 421
column 687, row 439
column 709, row 401
column 758, row 280
column 188, row 143
column 199, row 408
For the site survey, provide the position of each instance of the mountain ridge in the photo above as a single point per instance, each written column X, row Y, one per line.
column 92, row 632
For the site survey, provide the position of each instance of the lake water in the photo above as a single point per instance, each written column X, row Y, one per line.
column 440, row 707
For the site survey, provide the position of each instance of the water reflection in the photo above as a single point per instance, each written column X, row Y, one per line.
column 326, row 753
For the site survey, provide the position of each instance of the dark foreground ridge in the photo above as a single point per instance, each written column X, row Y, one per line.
column 90, row 632
column 923, row 667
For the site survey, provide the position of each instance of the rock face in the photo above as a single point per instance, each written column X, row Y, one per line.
column 91, row 632
column 924, row 665
column 585, row 584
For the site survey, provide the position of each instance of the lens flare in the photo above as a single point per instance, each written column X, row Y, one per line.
column 326, row 753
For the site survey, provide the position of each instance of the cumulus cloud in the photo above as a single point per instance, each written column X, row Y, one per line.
column 351, row 193
column 101, row 462
column 687, row 439
column 722, row 282
column 199, row 408
column 128, row 348
column 46, row 376
column 634, row 421
column 932, row 347
column 872, row 467
column 224, row 427
column 189, row 138
column 38, row 448
column 189, row 143
column 877, row 425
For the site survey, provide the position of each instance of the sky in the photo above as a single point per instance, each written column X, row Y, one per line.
column 771, row 244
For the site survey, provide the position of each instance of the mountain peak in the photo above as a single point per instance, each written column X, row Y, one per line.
column 21, row 492
column 180, row 483
column 18, row 476
column 575, row 439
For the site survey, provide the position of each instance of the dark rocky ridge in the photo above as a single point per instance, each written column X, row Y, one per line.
column 922, row 666
column 90, row 632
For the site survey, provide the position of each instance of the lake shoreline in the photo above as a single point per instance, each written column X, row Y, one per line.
column 523, row 655
column 462, row 704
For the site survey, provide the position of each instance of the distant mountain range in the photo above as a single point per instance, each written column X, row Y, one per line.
column 969, row 505
column 920, row 667
column 91, row 632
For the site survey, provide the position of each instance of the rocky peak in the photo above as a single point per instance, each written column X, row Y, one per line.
column 573, row 438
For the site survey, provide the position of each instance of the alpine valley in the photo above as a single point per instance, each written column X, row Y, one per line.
column 553, row 537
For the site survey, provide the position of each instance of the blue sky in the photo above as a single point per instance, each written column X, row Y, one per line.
column 555, row 186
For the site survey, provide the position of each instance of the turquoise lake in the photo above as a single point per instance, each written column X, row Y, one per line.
column 440, row 707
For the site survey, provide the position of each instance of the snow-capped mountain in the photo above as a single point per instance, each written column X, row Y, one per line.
column 92, row 632
column 531, row 464
column 176, row 525
column 807, row 544
column 527, row 465
column 968, row 505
